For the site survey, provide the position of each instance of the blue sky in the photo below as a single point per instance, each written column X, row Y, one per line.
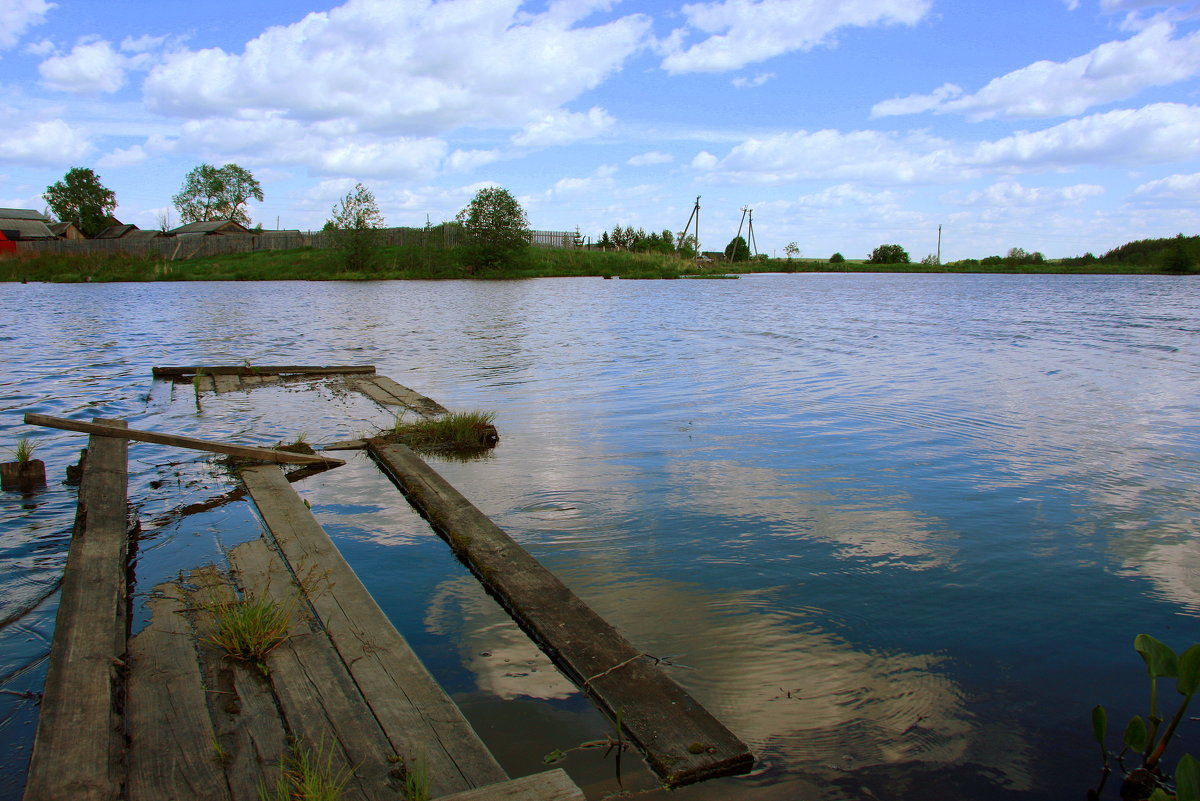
column 1062, row 126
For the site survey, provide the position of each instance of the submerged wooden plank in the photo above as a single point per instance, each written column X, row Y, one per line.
column 681, row 740
column 174, row 440
column 172, row 745
column 323, row 708
column 241, row 369
column 415, row 713
column 227, row 383
column 552, row 785
column 79, row 742
column 414, row 400
column 375, row 393
column 240, row 700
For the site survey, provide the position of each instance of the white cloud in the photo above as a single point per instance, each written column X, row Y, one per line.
column 123, row 157
column 741, row 32
column 1172, row 189
column 1113, row 71
column 1154, row 134
column 467, row 160
column 415, row 68
column 17, row 16
column 649, row 158
column 49, row 143
column 1012, row 193
column 750, row 83
column 564, row 128
column 90, row 68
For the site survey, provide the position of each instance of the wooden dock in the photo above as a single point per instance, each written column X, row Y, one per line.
column 165, row 714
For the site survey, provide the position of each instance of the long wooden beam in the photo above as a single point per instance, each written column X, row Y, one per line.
column 244, row 451
column 77, row 750
column 682, row 742
column 266, row 369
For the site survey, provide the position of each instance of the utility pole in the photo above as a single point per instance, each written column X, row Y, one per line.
column 695, row 215
column 729, row 256
column 939, row 255
column 750, row 235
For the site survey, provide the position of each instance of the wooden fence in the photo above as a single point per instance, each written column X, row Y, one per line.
column 190, row 246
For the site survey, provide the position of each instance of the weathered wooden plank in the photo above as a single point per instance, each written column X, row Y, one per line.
column 207, row 383
column 241, row 369
column 415, row 713
column 245, row 451
column 241, row 702
column 172, row 745
column 375, row 393
column 79, row 742
column 681, row 741
column 552, row 785
column 227, row 383
column 322, row 707
column 252, row 380
column 346, row 445
column 414, row 400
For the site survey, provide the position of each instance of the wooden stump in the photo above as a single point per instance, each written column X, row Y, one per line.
column 24, row 476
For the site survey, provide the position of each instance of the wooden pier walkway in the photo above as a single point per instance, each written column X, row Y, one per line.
column 166, row 715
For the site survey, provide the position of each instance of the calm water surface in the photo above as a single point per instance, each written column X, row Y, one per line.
column 898, row 533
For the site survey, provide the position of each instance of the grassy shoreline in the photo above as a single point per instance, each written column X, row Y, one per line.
column 416, row 263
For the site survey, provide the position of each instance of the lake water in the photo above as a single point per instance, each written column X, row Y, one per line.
column 897, row 532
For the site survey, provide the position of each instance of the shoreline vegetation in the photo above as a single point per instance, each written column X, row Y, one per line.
column 421, row 263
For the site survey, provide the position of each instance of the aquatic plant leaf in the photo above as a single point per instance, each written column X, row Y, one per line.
column 1189, row 671
column 1187, row 779
column 1161, row 661
column 1099, row 724
column 1135, row 734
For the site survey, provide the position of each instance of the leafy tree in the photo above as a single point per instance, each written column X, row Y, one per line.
column 888, row 254
column 687, row 245
column 217, row 193
column 931, row 260
column 80, row 198
column 837, row 258
column 792, row 250
column 495, row 227
column 737, row 250
column 354, row 224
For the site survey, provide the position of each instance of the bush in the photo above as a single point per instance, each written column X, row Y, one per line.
column 888, row 254
column 837, row 258
column 495, row 228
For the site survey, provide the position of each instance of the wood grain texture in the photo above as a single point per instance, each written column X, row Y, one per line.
column 680, row 739
column 419, row 719
column 552, row 785
column 78, row 748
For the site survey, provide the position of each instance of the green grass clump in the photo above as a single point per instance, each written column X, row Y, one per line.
column 24, row 450
column 248, row 629
column 307, row 775
column 416, row 780
column 472, row 429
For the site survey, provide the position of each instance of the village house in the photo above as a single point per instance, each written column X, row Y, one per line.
column 25, row 225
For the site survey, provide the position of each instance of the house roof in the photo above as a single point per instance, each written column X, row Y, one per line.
column 211, row 227
column 26, row 229
column 23, row 214
column 116, row 231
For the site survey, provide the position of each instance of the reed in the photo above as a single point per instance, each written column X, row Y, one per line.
column 249, row 629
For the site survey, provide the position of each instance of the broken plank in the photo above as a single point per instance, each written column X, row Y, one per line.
column 227, row 383
column 409, row 397
column 240, row 701
column 241, row 369
column 323, row 708
column 79, row 743
column 375, row 393
column 346, row 445
column 551, row 785
column 172, row 745
column 681, row 740
column 245, row 451
column 420, row 720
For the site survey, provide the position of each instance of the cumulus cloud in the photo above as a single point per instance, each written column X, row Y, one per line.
column 416, row 68
column 18, row 16
column 759, row 79
column 44, row 143
column 564, row 128
column 1113, row 71
column 123, row 157
column 741, row 32
column 90, row 68
column 1172, row 189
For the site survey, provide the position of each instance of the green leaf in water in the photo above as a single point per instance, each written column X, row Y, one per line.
column 1135, row 734
column 1099, row 724
column 1187, row 779
column 1189, row 671
column 1160, row 659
